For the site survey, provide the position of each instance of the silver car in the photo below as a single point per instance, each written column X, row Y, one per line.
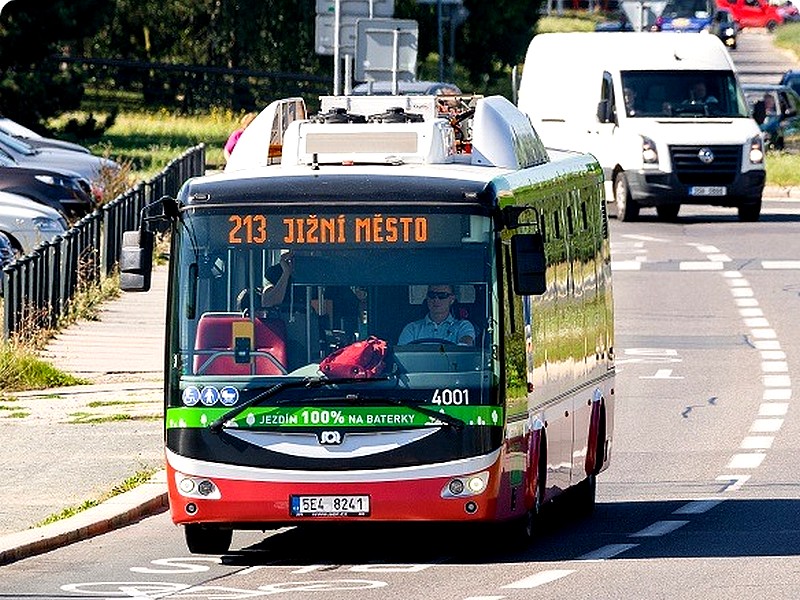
column 27, row 223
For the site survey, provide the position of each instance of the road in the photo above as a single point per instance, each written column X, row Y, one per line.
column 701, row 501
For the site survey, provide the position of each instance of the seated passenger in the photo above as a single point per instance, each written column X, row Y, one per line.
column 439, row 323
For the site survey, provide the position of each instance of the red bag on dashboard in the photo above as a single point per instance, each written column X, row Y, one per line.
column 361, row 360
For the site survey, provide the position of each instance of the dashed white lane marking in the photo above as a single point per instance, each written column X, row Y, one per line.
column 766, row 425
column 539, row 579
column 757, row 442
column 773, row 409
column 697, row 507
column 626, row 265
column 750, row 460
column 659, row 528
column 700, row 265
column 780, row 264
column 605, row 552
column 777, row 394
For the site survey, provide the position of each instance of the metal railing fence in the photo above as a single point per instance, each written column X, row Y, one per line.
column 39, row 288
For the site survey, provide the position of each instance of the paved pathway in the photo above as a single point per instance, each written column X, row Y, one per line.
column 64, row 446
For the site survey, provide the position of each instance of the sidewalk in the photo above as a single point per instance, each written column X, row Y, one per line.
column 66, row 446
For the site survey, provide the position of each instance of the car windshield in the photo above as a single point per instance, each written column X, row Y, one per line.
column 683, row 94
column 768, row 97
column 687, row 8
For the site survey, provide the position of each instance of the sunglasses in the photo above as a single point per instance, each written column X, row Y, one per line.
column 439, row 295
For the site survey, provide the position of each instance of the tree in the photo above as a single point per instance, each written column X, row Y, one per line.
column 34, row 87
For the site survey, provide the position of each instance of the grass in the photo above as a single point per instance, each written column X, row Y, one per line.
column 787, row 37
column 140, row 477
column 150, row 140
column 81, row 418
column 21, row 369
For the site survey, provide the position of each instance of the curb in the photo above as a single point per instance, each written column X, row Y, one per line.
column 779, row 192
column 145, row 500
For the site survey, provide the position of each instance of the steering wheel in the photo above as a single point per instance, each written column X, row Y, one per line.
column 433, row 341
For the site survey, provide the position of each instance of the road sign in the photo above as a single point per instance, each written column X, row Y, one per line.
column 357, row 8
column 349, row 12
column 386, row 49
column 324, row 34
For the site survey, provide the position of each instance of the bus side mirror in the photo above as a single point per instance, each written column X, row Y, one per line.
column 529, row 264
column 136, row 261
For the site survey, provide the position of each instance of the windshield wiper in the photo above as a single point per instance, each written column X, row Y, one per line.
column 307, row 382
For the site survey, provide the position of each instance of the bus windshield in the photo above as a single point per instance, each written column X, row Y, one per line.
column 266, row 294
column 683, row 94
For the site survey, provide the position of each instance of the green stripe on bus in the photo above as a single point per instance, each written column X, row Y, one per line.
column 313, row 416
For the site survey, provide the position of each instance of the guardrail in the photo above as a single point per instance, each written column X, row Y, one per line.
column 39, row 288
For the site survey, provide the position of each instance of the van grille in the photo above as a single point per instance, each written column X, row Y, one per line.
column 690, row 171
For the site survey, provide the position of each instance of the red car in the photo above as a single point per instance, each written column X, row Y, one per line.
column 753, row 13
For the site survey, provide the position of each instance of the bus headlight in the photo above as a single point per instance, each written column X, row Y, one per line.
column 467, row 485
column 196, row 487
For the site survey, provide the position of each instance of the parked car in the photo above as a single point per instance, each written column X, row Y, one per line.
column 725, row 28
column 690, row 16
column 7, row 256
column 35, row 139
column 753, row 13
column 788, row 12
column 67, row 192
column 776, row 109
column 407, row 88
column 792, row 79
column 27, row 223
column 87, row 166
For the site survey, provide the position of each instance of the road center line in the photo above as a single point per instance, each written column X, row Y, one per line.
column 606, row 552
column 539, row 579
column 659, row 528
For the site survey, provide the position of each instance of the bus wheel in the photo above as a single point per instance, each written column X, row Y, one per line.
column 627, row 207
column 207, row 539
column 522, row 530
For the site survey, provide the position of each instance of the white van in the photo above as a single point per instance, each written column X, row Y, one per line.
column 663, row 113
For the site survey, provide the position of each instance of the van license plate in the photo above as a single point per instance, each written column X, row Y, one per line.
column 708, row 190
column 329, row 506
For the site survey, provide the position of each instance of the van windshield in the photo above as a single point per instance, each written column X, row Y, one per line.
column 688, row 94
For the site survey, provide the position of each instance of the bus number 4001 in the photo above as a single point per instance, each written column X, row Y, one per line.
column 451, row 397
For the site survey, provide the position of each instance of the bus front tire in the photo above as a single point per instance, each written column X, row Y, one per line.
column 207, row 539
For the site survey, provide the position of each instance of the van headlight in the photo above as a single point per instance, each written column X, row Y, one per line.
column 649, row 152
column 756, row 150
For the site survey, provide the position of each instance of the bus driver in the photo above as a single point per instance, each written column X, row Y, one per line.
column 439, row 323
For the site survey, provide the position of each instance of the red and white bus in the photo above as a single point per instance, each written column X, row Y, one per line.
column 311, row 410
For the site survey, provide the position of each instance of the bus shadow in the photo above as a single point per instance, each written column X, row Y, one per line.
column 730, row 529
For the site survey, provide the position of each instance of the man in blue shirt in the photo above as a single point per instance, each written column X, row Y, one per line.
column 439, row 323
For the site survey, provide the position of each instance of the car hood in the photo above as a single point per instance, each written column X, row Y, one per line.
column 85, row 165
column 694, row 132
